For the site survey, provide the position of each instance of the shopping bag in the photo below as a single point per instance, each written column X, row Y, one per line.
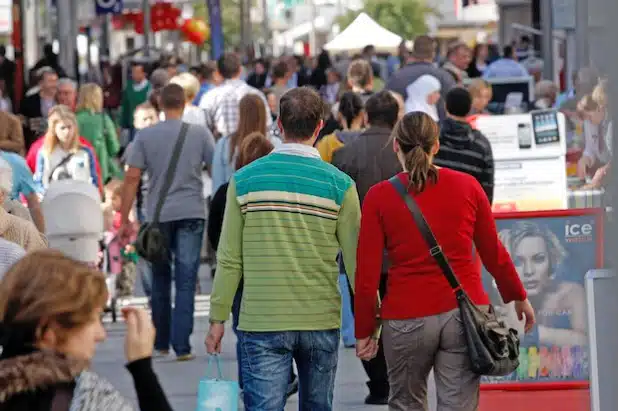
column 217, row 394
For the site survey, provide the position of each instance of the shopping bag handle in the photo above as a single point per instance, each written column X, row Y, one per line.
column 217, row 362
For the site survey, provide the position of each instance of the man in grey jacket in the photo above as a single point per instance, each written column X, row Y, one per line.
column 420, row 63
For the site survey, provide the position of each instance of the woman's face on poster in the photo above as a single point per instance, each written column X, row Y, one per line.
column 531, row 258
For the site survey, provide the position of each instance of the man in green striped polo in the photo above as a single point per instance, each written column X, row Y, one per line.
column 287, row 216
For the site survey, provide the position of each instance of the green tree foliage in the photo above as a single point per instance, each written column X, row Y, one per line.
column 230, row 16
column 403, row 17
column 230, row 20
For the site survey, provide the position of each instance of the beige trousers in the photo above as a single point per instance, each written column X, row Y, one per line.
column 413, row 347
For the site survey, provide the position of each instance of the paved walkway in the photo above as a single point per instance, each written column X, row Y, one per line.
column 180, row 380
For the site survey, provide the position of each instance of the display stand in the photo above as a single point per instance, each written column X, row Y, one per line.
column 552, row 251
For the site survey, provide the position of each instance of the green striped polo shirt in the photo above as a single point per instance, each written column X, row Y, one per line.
column 287, row 216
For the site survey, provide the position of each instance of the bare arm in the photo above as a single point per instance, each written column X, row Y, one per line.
column 129, row 190
column 34, row 205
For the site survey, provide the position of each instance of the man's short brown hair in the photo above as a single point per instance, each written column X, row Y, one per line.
column 424, row 48
column 360, row 73
column 229, row 65
column 172, row 97
column 300, row 111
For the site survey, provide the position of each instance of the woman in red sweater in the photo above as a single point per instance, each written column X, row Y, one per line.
column 421, row 322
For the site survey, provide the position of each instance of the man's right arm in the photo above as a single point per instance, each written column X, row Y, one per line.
column 136, row 162
column 229, row 259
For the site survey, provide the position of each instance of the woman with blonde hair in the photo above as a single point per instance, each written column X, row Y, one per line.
column 62, row 156
column 421, row 322
column 560, row 302
column 50, row 325
column 481, row 93
column 596, row 159
column 98, row 128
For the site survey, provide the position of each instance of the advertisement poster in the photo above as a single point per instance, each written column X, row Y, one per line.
column 530, row 160
column 552, row 253
column 530, row 185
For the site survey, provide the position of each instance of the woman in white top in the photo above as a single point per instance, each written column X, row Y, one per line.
column 423, row 95
column 62, row 156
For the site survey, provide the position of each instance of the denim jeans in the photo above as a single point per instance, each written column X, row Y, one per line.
column 239, row 351
column 184, row 240
column 266, row 364
column 347, row 318
column 144, row 269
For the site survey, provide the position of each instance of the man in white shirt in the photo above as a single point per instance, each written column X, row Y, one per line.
column 222, row 103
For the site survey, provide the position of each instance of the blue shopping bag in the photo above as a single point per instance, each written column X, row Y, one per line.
column 217, row 394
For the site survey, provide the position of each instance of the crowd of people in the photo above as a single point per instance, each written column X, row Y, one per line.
column 313, row 243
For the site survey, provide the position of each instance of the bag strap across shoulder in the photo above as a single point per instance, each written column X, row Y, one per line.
column 62, row 162
column 171, row 171
column 434, row 248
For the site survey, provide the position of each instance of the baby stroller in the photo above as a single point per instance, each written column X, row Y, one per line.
column 74, row 225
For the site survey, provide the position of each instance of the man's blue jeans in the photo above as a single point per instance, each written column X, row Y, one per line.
column 266, row 364
column 184, row 240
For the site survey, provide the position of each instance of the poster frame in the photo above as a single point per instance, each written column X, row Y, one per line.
column 598, row 213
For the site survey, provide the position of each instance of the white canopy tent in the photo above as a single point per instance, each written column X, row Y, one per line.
column 364, row 31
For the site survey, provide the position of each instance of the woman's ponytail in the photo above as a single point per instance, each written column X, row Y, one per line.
column 417, row 133
column 350, row 106
column 419, row 168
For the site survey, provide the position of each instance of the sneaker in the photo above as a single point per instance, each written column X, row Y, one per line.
column 160, row 353
column 185, row 357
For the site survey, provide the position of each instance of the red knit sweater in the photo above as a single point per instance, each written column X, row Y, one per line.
column 460, row 216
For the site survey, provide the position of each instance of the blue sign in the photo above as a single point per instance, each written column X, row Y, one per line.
column 216, row 28
column 108, row 7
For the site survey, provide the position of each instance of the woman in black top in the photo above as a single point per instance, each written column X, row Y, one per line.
column 50, row 325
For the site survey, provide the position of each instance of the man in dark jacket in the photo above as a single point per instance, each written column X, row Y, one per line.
column 421, row 62
column 369, row 159
column 463, row 148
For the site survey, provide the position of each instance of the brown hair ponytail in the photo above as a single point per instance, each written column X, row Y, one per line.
column 417, row 133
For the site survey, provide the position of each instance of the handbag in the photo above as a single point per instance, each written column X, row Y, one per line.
column 63, row 173
column 493, row 348
column 216, row 394
column 151, row 243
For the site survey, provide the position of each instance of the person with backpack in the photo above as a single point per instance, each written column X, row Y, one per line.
column 62, row 156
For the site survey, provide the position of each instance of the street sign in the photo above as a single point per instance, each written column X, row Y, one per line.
column 108, row 7
column 564, row 14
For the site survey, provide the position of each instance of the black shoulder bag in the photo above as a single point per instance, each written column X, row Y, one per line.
column 493, row 348
column 151, row 243
column 63, row 173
